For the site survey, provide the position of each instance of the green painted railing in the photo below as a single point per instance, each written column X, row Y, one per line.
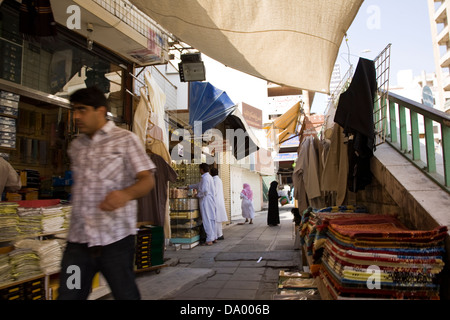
column 419, row 132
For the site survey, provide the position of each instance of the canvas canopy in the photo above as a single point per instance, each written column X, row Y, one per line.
column 289, row 42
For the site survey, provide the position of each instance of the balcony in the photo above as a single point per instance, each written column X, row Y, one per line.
column 443, row 36
column 441, row 14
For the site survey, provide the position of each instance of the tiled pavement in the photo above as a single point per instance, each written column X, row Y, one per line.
column 244, row 266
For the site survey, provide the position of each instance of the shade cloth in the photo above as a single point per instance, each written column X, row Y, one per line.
column 285, row 42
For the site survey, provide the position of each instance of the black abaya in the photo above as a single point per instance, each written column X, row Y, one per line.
column 273, row 215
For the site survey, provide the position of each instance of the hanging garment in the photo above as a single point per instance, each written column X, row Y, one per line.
column 355, row 114
column 153, row 206
column 158, row 147
column 157, row 100
column 141, row 116
column 308, row 162
column 335, row 171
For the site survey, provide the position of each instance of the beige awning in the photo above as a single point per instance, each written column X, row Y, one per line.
column 289, row 42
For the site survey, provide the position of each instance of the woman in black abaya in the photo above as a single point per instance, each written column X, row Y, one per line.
column 273, row 215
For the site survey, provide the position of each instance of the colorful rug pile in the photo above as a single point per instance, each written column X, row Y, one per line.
column 377, row 257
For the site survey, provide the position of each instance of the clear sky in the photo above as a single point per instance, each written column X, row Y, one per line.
column 403, row 23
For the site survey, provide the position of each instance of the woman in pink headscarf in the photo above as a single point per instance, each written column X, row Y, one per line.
column 248, row 212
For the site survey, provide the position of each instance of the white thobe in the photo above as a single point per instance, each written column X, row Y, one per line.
column 207, row 203
column 221, row 212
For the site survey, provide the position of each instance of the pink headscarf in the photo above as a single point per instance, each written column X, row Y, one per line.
column 248, row 191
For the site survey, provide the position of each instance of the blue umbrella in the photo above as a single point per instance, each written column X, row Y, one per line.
column 208, row 104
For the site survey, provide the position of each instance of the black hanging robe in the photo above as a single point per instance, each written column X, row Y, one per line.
column 355, row 114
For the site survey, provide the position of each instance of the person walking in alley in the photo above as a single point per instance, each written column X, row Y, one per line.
column 207, row 203
column 221, row 213
column 110, row 170
column 273, row 214
column 248, row 212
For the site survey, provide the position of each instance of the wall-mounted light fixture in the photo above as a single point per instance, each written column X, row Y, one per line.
column 191, row 67
column 90, row 42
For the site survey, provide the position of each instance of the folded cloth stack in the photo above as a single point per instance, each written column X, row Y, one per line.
column 8, row 220
column 49, row 252
column 67, row 211
column 312, row 231
column 53, row 219
column 6, row 275
column 25, row 263
column 30, row 220
column 376, row 256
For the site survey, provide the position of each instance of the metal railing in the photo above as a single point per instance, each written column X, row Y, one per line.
column 420, row 133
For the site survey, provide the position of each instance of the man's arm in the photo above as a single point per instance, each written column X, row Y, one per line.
column 119, row 198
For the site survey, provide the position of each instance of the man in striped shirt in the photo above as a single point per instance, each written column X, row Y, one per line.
column 110, row 170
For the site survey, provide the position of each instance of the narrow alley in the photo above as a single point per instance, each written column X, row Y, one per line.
column 243, row 266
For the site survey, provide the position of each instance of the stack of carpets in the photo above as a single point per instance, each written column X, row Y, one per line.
column 312, row 228
column 377, row 257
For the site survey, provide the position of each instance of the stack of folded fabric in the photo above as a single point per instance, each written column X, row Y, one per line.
column 312, row 231
column 8, row 220
column 6, row 275
column 53, row 219
column 67, row 211
column 25, row 263
column 376, row 256
column 49, row 252
column 30, row 220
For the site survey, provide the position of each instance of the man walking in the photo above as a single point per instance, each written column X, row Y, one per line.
column 110, row 170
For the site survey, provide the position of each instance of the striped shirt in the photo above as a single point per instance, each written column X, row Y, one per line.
column 109, row 161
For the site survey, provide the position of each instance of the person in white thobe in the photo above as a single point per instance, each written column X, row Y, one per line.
column 205, row 194
column 221, row 212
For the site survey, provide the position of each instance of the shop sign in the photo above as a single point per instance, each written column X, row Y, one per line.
column 252, row 115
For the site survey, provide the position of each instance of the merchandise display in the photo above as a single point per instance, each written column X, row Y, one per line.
column 25, row 260
column 149, row 247
column 358, row 255
column 296, row 285
column 185, row 218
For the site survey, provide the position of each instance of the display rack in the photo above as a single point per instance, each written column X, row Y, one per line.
column 149, row 254
column 185, row 222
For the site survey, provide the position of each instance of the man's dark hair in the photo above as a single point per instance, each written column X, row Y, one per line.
column 204, row 167
column 214, row 172
column 91, row 96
